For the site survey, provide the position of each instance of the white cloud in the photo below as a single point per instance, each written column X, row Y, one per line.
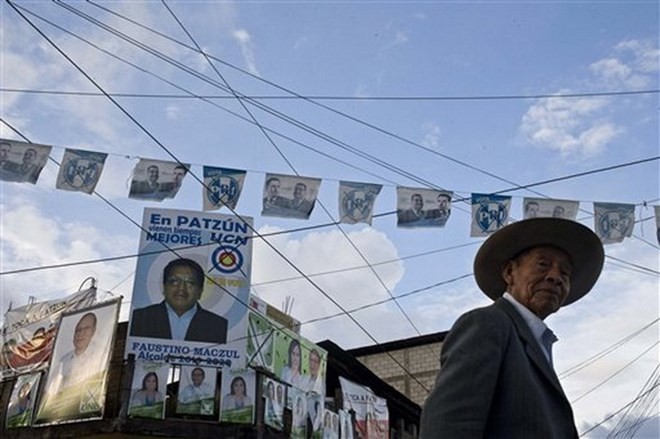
column 247, row 49
column 318, row 252
column 432, row 135
column 172, row 112
column 633, row 65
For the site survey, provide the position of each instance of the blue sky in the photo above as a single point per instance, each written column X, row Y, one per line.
column 358, row 49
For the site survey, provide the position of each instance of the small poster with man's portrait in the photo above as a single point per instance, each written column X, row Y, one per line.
column 356, row 201
column 222, row 187
column 149, row 390
column 188, row 303
column 76, row 380
column 549, row 208
column 80, row 171
column 274, row 394
column 489, row 213
column 196, row 390
column 238, row 394
column 346, row 424
column 299, row 413
column 157, row 179
column 421, row 207
column 289, row 196
column 21, row 402
column 613, row 222
column 22, row 162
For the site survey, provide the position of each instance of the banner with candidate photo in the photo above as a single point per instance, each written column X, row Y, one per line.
column 346, row 424
column 222, row 187
column 371, row 413
column 274, row 394
column 421, row 207
column 22, row 162
column 80, row 170
column 196, row 394
column 289, row 196
column 356, row 201
column 489, row 213
column 613, row 222
column 21, row 402
column 157, row 179
column 298, row 413
column 238, row 396
column 28, row 333
column 75, row 385
column 549, row 208
column 191, row 289
column 299, row 362
column 149, row 390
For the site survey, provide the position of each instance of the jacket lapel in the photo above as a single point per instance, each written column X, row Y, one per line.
column 532, row 347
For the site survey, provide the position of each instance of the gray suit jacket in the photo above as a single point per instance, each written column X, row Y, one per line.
column 495, row 382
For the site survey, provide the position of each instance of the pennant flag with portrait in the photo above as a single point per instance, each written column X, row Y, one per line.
column 549, row 208
column 21, row 402
column 421, row 207
column 657, row 222
column 222, row 187
column 80, row 170
column 613, row 222
column 356, row 201
column 149, row 390
column 157, row 179
column 289, row 196
column 238, row 398
column 22, row 162
column 489, row 213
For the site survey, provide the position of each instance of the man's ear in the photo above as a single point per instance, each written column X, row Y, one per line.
column 507, row 272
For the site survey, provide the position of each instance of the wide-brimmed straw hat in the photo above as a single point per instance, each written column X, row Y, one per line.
column 580, row 243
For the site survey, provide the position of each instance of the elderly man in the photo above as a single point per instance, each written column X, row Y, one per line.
column 496, row 377
column 179, row 316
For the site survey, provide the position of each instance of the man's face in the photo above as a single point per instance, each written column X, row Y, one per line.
column 197, row 376
column 532, row 210
column 181, row 290
column 558, row 212
column 314, row 363
column 4, row 151
column 273, row 188
column 83, row 334
column 28, row 156
column 152, row 174
column 417, row 202
column 279, row 393
column 539, row 279
column 443, row 202
column 299, row 191
column 178, row 176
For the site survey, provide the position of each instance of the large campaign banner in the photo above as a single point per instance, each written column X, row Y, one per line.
column 191, row 289
column 371, row 414
column 29, row 332
column 76, row 381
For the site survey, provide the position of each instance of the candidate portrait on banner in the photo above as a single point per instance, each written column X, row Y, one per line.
column 22, row 162
column 422, row 207
column 149, row 390
column 75, row 383
column 196, row 394
column 238, row 399
column 157, row 179
column 80, row 171
column 550, row 208
column 21, row 402
column 289, row 196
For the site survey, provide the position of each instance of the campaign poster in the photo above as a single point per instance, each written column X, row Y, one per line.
column 191, row 290
column 549, row 208
column 315, row 412
column 80, row 170
column 289, row 196
column 157, row 179
column 356, row 201
column 346, row 424
column 21, row 402
column 274, row 394
column 222, row 187
column 298, row 413
column 489, row 213
column 196, row 394
column 299, row 362
column 260, row 342
column 330, row 425
column 613, row 222
column 149, row 390
column 371, row 413
column 238, row 396
column 28, row 333
column 76, row 380
column 421, row 207
column 22, row 162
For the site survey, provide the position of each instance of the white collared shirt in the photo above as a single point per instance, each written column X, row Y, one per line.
column 179, row 324
column 535, row 324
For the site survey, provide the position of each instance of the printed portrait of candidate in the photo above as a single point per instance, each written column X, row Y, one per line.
column 299, row 205
column 415, row 212
column 150, row 185
column 21, row 403
column 440, row 214
column 180, row 316
column 273, row 201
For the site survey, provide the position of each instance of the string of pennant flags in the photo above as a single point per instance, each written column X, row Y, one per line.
column 293, row 196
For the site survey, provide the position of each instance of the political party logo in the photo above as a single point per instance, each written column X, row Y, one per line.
column 223, row 189
column 227, row 260
column 81, row 173
column 491, row 216
column 615, row 224
column 358, row 204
